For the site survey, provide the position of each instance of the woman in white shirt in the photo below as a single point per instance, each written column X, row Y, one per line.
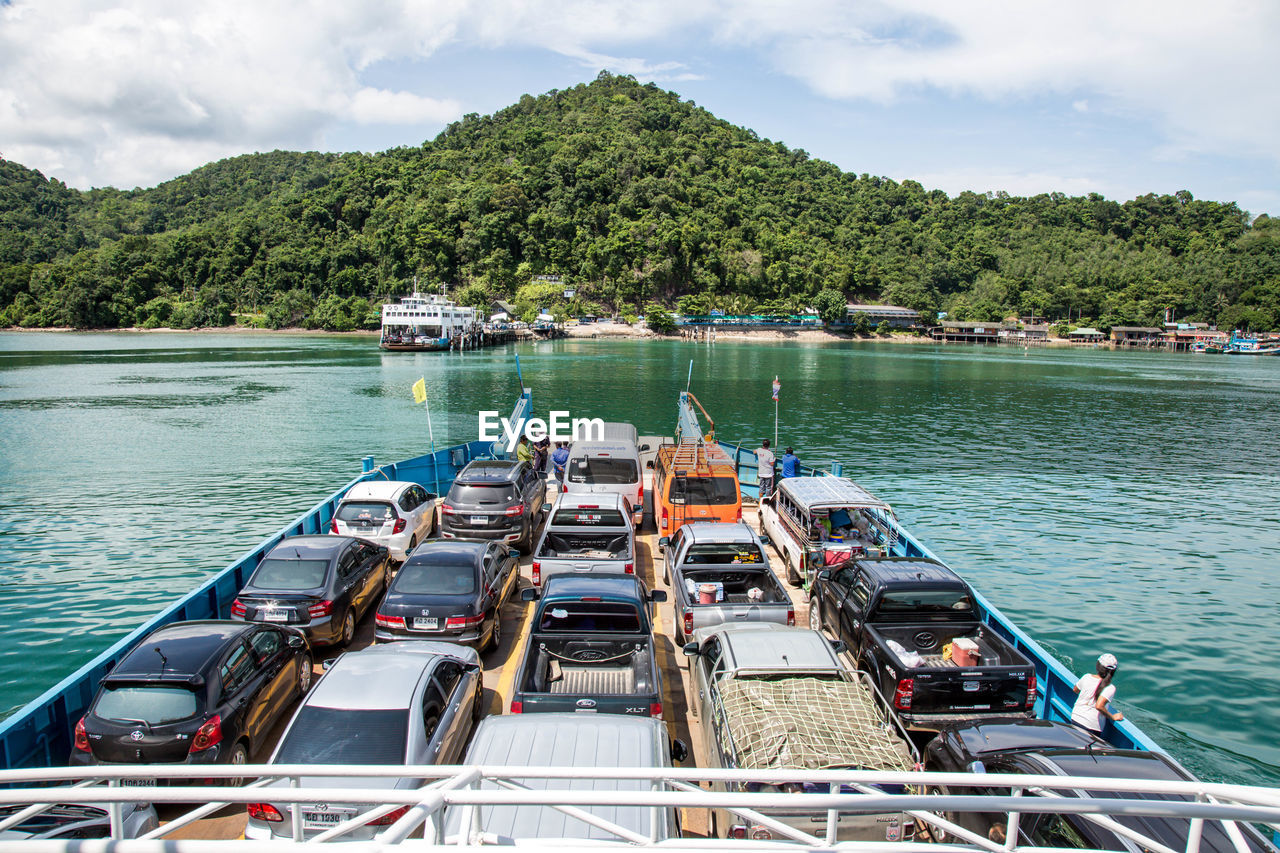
column 1095, row 691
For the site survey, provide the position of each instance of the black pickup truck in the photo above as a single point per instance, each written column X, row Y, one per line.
column 590, row 648
column 901, row 618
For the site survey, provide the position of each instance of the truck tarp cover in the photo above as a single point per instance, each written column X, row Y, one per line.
column 808, row 724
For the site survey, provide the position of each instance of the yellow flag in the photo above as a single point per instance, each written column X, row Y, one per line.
column 420, row 390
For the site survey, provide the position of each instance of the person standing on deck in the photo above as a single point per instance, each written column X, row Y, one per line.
column 765, row 460
column 558, row 458
column 524, row 453
column 790, row 464
column 1095, row 691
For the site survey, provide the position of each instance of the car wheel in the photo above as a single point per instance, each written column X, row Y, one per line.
column 815, row 615
column 348, row 628
column 936, row 833
column 792, row 578
column 495, row 636
column 239, row 755
column 413, row 543
column 304, row 675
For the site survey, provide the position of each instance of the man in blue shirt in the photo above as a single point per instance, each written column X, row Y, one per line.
column 790, row 465
column 558, row 457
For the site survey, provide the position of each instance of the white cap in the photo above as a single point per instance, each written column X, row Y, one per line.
column 1108, row 661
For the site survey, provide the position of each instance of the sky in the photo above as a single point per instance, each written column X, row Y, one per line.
column 1119, row 97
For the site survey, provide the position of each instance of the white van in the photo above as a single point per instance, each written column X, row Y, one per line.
column 594, row 742
column 611, row 466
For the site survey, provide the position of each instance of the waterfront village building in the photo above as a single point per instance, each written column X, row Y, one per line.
column 895, row 315
column 1008, row 332
column 501, row 306
column 1086, row 335
column 1137, row 336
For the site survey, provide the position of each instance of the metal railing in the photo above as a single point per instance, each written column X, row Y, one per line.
column 449, row 807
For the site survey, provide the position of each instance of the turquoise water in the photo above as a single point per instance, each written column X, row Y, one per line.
column 1127, row 502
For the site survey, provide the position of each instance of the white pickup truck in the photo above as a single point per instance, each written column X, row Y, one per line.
column 719, row 574
column 586, row 534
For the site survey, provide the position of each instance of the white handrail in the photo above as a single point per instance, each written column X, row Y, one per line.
column 472, row 787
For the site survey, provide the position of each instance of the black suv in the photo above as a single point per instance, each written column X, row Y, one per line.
column 194, row 693
column 1043, row 748
column 494, row 499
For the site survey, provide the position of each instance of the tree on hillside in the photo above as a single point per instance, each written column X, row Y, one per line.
column 831, row 306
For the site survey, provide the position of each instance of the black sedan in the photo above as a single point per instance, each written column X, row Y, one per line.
column 450, row 590
column 194, row 693
column 1043, row 748
column 320, row 585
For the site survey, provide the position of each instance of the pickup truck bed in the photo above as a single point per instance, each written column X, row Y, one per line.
column 735, row 584
column 928, row 643
column 592, row 545
column 612, row 667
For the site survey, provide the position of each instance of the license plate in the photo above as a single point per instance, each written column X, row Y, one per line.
column 275, row 616
column 315, row 820
column 138, row 783
column 425, row 624
column 479, row 520
column 971, row 687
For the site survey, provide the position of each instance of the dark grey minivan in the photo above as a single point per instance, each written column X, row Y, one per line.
column 497, row 499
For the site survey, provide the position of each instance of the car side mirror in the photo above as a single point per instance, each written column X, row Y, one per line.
column 658, row 595
column 664, row 541
column 328, row 662
column 296, row 641
column 764, row 540
column 838, row 646
column 691, row 650
column 824, row 575
column 679, row 750
column 976, row 767
column 528, row 594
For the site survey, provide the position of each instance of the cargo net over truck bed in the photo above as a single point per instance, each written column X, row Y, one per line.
column 808, row 724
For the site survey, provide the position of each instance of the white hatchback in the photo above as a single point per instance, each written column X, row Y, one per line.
column 396, row 514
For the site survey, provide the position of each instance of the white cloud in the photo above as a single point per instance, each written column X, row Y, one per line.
column 373, row 106
column 1015, row 183
column 134, row 91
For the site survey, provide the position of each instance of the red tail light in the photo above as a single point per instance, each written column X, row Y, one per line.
column 515, row 510
column 455, row 622
column 791, row 616
column 210, row 734
column 517, row 707
column 664, row 517
column 265, row 811
column 82, row 738
column 388, row 818
column 688, row 622
column 333, row 528
column 323, row 608
column 737, row 831
column 388, row 621
column 629, row 568
column 655, row 709
column 238, row 608
column 565, row 488
column 448, row 510
column 1031, row 690
column 902, row 696
column 537, row 573
column 640, row 496
column 399, row 528
column 739, row 516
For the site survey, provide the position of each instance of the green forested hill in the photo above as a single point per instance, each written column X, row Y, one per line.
column 633, row 196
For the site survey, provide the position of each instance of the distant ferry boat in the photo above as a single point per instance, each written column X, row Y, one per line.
column 428, row 322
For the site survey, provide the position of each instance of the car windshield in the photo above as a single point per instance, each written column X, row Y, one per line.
column 599, row 471
column 477, row 493
column 704, row 491
column 345, row 736
column 915, row 602
column 717, row 553
column 435, row 579
column 146, row 704
column 587, row 517
column 285, row 574
column 589, row 617
column 366, row 511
